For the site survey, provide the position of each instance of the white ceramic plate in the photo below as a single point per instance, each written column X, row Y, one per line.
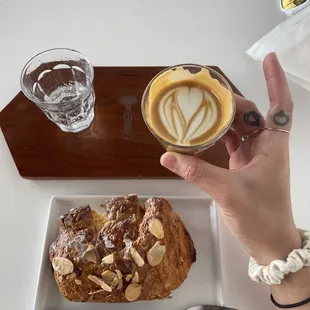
column 202, row 286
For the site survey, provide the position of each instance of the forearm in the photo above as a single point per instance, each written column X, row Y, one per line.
column 294, row 288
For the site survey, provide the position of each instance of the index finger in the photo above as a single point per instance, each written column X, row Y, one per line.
column 281, row 104
column 248, row 118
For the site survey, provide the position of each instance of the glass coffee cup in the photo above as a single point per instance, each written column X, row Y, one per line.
column 188, row 108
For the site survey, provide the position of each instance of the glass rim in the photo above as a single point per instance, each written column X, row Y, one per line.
column 203, row 145
column 45, row 104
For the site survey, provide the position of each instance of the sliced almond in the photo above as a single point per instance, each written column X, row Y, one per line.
column 156, row 254
column 115, row 282
column 120, row 284
column 128, row 277
column 90, row 254
column 78, row 282
column 108, row 276
column 100, row 282
column 96, row 292
column 136, row 257
column 135, row 278
column 62, row 265
column 133, row 291
column 109, row 259
column 156, row 228
column 119, row 273
column 71, row 276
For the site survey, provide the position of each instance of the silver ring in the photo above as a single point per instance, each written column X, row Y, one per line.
column 245, row 137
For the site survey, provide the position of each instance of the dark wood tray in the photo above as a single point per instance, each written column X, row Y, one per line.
column 116, row 145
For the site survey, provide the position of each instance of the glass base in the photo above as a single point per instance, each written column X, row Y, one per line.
column 79, row 126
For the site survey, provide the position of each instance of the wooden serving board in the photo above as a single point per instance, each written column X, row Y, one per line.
column 116, row 145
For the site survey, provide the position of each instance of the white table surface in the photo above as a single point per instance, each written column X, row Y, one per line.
column 136, row 32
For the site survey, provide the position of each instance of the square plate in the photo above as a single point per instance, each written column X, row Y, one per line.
column 202, row 286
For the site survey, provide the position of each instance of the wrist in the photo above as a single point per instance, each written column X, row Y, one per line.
column 278, row 248
column 294, row 288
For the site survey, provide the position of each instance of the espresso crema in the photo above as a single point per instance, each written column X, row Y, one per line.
column 188, row 109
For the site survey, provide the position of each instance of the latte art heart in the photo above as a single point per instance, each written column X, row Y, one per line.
column 188, row 109
column 187, row 113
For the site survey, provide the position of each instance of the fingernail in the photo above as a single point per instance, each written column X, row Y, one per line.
column 271, row 56
column 169, row 161
column 275, row 57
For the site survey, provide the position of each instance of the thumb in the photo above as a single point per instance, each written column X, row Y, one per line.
column 208, row 177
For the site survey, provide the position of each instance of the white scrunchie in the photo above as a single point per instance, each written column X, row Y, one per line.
column 275, row 272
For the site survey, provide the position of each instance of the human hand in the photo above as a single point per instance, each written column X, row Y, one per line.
column 254, row 195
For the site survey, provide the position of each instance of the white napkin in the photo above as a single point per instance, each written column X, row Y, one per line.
column 291, row 41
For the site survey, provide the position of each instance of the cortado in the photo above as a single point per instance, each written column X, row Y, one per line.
column 188, row 106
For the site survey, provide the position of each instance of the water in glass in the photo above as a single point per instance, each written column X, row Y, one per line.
column 59, row 82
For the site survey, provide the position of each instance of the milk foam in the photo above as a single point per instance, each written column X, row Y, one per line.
column 187, row 113
column 187, row 108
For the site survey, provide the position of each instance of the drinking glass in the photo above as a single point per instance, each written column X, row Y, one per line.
column 193, row 149
column 60, row 82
